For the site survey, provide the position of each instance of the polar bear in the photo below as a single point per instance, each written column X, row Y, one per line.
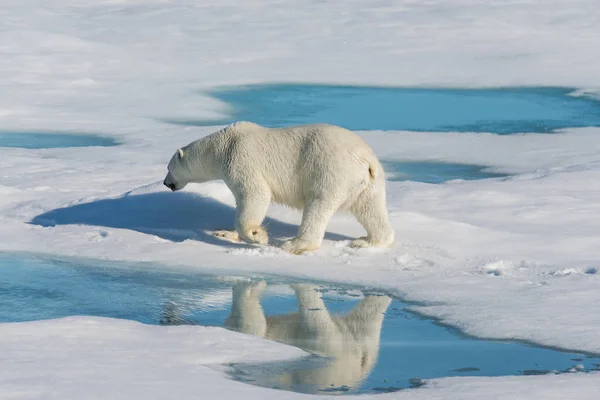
column 351, row 341
column 317, row 168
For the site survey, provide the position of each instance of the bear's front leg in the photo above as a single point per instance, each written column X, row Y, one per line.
column 255, row 234
column 247, row 315
column 250, row 212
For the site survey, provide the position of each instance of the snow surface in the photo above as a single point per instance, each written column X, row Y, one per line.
column 101, row 358
column 502, row 258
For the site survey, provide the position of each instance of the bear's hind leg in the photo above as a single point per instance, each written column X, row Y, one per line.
column 313, row 312
column 371, row 212
column 315, row 217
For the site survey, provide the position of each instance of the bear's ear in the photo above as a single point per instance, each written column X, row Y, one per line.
column 180, row 153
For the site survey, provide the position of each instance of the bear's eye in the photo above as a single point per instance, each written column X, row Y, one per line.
column 254, row 232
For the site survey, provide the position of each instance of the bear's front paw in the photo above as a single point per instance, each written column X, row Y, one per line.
column 304, row 287
column 249, row 289
column 230, row 236
column 258, row 288
column 297, row 246
column 360, row 243
column 257, row 235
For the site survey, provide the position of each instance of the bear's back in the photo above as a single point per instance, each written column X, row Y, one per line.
column 293, row 160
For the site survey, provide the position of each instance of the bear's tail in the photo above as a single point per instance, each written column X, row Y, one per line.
column 373, row 171
column 372, row 163
column 375, row 168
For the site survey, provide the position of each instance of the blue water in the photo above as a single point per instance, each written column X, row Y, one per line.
column 500, row 111
column 39, row 140
column 435, row 172
column 411, row 348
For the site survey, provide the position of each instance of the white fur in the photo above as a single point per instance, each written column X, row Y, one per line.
column 319, row 169
column 351, row 340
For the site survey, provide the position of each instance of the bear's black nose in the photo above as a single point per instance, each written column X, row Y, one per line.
column 170, row 185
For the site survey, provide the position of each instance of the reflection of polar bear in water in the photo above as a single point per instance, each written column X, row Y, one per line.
column 351, row 340
column 319, row 169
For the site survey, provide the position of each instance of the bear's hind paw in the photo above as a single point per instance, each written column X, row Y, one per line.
column 295, row 246
column 360, row 243
column 364, row 242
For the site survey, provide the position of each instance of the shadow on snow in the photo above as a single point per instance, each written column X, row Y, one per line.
column 172, row 216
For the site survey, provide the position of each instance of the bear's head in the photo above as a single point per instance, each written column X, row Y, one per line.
column 179, row 172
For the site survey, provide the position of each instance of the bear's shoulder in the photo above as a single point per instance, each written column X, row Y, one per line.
column 243, row 126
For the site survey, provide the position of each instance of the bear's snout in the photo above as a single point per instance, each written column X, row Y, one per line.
column 170, row 185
